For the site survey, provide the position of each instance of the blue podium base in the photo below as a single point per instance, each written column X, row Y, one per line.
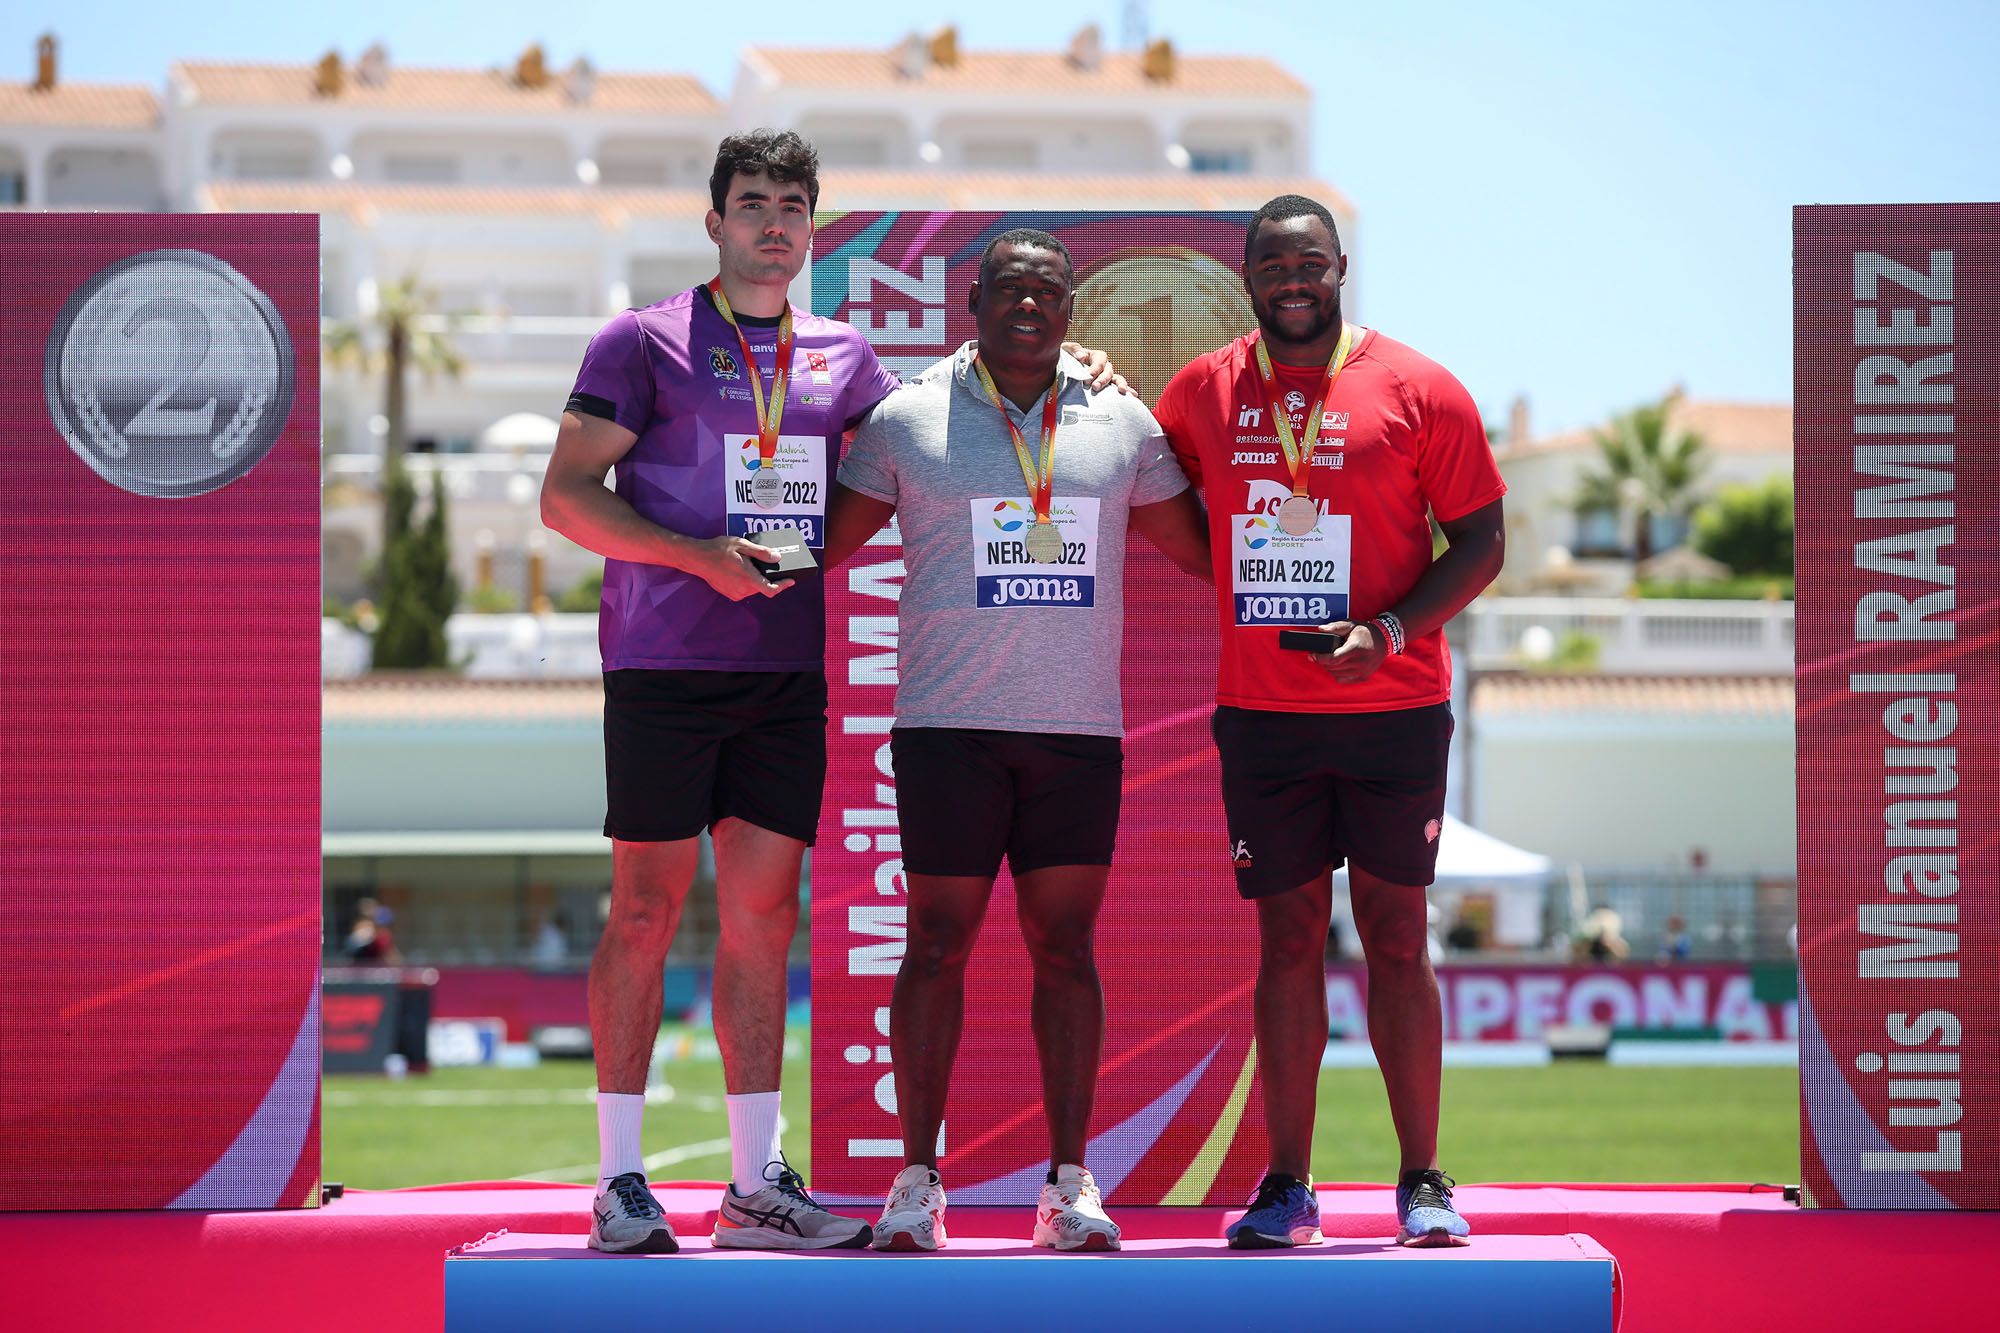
column 1498, row 1284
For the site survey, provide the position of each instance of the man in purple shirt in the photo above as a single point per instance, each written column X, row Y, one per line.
column 720, row 411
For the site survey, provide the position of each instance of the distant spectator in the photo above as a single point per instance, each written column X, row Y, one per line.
column 1464, row 935
column 1678, row 945
column 371, row 940
column 364, row 941
column 551, row 946
column 1602, row 939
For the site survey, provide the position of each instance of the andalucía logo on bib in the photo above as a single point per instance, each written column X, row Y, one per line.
column 1279, row 579
column 1005, row 575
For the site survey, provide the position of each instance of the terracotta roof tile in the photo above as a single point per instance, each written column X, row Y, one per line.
column 839, row 191
column 445, row 90
column 1727, row 427
column 1560, row 695
column 97, row 106
column 1048, row 72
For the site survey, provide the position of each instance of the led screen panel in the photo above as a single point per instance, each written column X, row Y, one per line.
column 1177, row 1117
column 159, row 712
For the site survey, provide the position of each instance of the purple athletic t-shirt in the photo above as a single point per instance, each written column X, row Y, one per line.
column 672, row 374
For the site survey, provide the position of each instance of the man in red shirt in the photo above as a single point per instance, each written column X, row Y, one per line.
column 1325, row 450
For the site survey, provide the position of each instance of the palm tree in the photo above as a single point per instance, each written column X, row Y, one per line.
column 403, row 332
column 1651, row 466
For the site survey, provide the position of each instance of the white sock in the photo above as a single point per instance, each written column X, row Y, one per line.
column 753, row 1138
column 618, row 1116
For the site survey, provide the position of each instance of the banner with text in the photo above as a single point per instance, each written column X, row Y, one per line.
column 1897, row 367
column 1506, row 1002
column 1177, row 1118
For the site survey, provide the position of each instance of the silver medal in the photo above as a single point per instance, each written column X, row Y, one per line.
column 169, row 373
column 766, row 489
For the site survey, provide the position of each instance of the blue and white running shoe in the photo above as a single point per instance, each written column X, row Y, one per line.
column 1283, row 1213
column 1425, row 1214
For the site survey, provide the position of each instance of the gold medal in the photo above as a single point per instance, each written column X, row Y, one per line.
column 765, row 488
column 1298, row 516
column 1043, row 541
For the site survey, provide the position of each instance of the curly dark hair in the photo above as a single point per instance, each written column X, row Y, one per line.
column 1026, row 238
column 782, row 155
column 1283, row 209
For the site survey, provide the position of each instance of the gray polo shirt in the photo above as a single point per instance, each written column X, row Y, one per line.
column 988, row 638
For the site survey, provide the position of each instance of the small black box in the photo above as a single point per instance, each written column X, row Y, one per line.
column 794, row 556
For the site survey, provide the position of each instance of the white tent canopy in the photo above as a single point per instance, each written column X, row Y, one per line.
column 520, row 430
column 1470, row 863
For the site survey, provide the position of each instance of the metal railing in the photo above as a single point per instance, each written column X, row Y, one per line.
column 1639, row 635
column 1651, row 637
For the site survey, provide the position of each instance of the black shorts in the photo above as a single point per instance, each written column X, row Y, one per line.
column 685, row 749
column 1305, row 791
column 965, row 797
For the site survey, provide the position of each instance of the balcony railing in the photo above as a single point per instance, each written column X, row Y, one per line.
column 1634, row 637
column 1638, row 635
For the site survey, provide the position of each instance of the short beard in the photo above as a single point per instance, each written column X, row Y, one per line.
column 1267, row 320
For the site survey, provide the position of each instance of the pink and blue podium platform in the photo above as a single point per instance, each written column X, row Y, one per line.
column 1707, row 1257
column 1529, row 1284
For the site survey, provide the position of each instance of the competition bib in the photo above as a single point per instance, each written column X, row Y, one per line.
column 1005, row 573
column 1280, row 579
column 800, row 468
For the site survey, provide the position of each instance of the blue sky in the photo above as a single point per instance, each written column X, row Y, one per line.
column 1586, row 203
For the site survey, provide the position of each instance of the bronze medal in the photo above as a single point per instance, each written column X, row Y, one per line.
column 766, row 489
column 1045, row 544
column 1298, row 516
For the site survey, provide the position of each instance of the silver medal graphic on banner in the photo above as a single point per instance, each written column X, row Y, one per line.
column 169, row 373
column 766, row 488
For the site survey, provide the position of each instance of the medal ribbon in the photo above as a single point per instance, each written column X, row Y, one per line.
column 1298, row 457
column 1041, row 482
column 769, row 418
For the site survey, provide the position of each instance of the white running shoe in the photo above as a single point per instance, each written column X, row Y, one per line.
column 913, row 1216
column 625, row 1218
column 1071, row 1216
column 782, row 1216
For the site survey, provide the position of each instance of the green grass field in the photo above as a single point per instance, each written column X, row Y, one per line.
column 1565, row 1122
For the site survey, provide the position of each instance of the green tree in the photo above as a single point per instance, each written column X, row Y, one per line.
column 1650, row 466
column 404, row 332
column 418, row 588
column 1748, row 527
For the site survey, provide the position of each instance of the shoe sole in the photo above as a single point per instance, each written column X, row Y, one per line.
column 659, row 1242
column 1257, row 1240
column 904, row 1242
column 1437, row 1238
column 1093, row 1242
column 782, row 1241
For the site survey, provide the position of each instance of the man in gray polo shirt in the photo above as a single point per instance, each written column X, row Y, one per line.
column 1014, row 485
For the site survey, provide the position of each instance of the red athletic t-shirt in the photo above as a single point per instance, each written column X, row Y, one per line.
column 1400, row 440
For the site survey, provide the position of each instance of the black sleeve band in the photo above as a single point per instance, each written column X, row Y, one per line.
column 590, row 405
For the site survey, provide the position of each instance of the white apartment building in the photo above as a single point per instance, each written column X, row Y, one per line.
column 537, row 201
column 1556, row 547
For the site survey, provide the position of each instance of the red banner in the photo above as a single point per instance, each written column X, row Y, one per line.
column 1897, row 366
column 1520, row 1002
column 159, row 712
column 1177, row 1118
